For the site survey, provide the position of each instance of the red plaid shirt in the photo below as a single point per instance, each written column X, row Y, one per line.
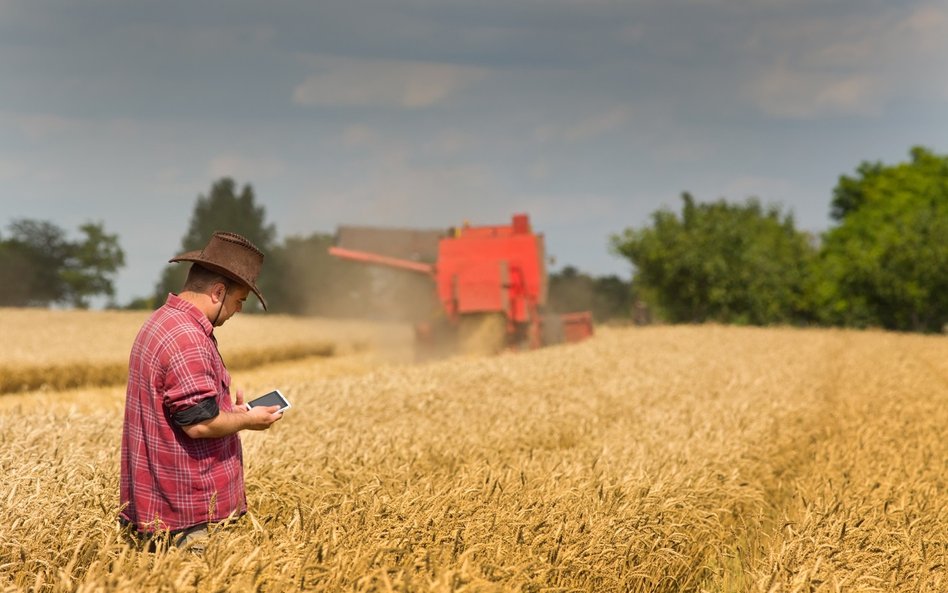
column 169, row 480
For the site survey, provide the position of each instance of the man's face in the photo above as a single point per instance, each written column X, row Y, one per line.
column 233, row 303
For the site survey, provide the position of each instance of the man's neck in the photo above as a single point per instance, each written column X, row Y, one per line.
column 199, row 300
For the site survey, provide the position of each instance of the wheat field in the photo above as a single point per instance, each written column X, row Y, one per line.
column 55, row 349
column 665, row 459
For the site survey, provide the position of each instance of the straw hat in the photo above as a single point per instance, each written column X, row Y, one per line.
column 231, row 255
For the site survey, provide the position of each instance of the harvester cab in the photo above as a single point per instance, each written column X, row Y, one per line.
column 490, row 283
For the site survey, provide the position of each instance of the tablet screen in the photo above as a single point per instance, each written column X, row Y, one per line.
column 274, row 398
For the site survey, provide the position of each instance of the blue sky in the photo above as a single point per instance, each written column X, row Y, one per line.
column 587, row 114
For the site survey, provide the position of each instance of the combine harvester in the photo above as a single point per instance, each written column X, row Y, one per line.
column 491, row 283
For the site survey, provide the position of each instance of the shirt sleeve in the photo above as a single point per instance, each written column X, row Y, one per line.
column 190, row 378
column 205, row 409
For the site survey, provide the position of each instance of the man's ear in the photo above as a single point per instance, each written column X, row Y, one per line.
column 219, row 291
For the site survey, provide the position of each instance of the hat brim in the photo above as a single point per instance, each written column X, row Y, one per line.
column 195, row 257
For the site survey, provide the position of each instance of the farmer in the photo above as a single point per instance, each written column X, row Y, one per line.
column 182, row 466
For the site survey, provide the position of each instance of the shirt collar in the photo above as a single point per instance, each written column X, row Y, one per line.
column 176, row 302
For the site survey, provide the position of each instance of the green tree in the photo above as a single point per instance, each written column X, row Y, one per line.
column 731, row 263
column 40, row 266
column 90, row 265
column 849, row 194
column 41, row 247
column 222, row 209
column 16, row 275
column 886, row 263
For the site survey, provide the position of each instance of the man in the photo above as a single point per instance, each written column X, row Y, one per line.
column 182, row 465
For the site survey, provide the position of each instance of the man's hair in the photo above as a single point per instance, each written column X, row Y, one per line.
column 200, row 279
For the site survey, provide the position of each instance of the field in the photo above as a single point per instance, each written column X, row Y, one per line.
column 701, row 458
column 50, row 350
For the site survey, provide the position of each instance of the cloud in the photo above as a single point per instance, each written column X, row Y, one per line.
column 12, row 169
column 404, row 194
column 43, row 126
column 383, row 83
column 927, row 26
column 452, row 142
column 589, row 126
column 539, row 170
column 244, row 167
column 786, row 92
column 389, row 188
column 849, row 66
column 925, row 34
column 440, row 143
column 568, row 209
column 360, row 136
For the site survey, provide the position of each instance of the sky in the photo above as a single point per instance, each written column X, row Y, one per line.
column 588, row 115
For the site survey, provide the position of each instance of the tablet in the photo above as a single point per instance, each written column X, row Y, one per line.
column 274, row 398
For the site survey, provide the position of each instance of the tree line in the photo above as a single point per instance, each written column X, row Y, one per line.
column 883, row 263
column 41, row 266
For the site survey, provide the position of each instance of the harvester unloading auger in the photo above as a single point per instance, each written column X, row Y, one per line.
column 491, row 283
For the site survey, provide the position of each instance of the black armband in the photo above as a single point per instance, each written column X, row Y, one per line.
column 199, row 412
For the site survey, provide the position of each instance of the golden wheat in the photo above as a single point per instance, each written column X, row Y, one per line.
column 53, row 350
column 662, row 459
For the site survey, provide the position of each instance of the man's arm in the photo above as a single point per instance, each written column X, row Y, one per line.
column 227, row 423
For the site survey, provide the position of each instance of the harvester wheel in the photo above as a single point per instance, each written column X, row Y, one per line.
column 482, row 333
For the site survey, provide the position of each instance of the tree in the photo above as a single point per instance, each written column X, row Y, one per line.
column 722, row 262
column 220, row 210
column 886, row 263
column 40, row 266
column 41, row 246
column 849, row 194
column 90, row 264
column 16, row 275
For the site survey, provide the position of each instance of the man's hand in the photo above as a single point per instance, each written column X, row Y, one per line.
column 262, row 417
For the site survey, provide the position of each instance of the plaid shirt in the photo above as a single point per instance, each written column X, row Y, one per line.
column 169, row 480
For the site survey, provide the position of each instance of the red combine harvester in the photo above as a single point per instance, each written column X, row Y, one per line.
column 491, row 283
